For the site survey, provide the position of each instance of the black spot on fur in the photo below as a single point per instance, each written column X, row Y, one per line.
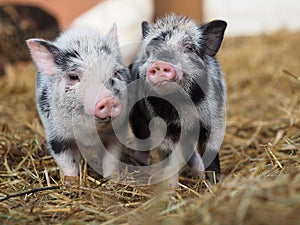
column 64, row 58
column 169, row 114
column 59, row 146
column 105, row 48
column 112, row 82
column 116, row 91
column 160, row 38
column 196, row 93
column 155, row 42
column 173, row 131
column 43, row 101
column 202, row 142
column 203, row 138
column 139, row 121
column 72, row 54
column 163, row 109
column 165, row 34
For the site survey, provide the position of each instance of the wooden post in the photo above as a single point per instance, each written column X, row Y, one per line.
column 190, row 8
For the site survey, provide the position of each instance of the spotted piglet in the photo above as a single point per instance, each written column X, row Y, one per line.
column 79, row 92
column 182, row 83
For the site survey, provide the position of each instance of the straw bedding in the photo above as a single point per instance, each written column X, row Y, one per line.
column 259, row 156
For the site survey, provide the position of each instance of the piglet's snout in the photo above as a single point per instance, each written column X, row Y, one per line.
column 108, row 107
column 161, row 71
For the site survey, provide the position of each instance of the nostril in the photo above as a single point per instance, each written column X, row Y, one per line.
column 152, row 71
column 166, row 70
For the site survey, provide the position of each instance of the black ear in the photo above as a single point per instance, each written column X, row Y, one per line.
column 213, row 34
column 145, row 28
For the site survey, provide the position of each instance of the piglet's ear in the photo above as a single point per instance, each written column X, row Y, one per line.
column 43, row 55
column 145, row 28
column 112, row 34
column 213, row 33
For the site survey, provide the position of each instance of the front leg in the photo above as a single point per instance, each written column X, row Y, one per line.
column 209, row 149
column 66, row 155
column 111, row 159
column 196, row 165
column 170, row 171
column 141, row 131
column 175, row 156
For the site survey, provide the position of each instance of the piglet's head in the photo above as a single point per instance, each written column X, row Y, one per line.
column 86, row 71
column 176, row 50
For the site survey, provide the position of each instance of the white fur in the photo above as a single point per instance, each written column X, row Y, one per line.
column 127, row 14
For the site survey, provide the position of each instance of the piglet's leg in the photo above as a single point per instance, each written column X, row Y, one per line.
column 67, row 156
column 196, row 165
column 211, row 155
column 170, row 168
column 111, row 160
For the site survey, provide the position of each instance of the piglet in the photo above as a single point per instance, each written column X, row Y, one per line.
column 79, row 92
column 180, row 82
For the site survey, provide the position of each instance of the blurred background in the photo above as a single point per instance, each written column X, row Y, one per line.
column 22, row 19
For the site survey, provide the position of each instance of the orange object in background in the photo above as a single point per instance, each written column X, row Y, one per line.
column 190, row 8
column 65, row 11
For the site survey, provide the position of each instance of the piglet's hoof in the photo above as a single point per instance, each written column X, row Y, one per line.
column 71, row 180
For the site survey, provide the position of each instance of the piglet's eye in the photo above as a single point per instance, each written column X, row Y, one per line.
column 189, row 48
column 118, row 76
column 74, row 77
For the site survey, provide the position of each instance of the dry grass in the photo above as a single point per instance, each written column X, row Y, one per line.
column 259, row 157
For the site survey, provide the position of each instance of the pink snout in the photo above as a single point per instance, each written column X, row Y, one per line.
column 161, row 71
column 108, row 107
